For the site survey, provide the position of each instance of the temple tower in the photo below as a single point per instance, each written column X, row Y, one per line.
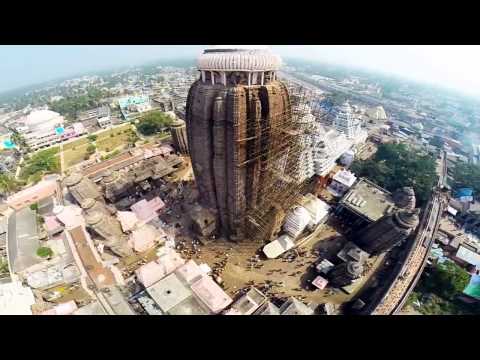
column 387, row 232
column 233, row 111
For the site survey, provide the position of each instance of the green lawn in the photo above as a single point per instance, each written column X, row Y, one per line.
column 76, row 143
column 72, row 157
column 111, row 142
column 75, row 151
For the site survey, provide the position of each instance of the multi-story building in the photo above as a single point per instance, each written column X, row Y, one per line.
column 39, row 128
column 134, row 104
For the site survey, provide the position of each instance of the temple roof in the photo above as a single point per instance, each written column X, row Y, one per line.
column 238, row 58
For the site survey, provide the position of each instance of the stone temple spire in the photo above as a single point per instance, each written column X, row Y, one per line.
column 387, row 232
column 404, row 198
column 236, row 98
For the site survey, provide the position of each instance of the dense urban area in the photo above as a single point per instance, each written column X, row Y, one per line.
column 239, row 184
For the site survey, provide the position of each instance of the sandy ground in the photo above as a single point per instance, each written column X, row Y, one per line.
column 243, row 265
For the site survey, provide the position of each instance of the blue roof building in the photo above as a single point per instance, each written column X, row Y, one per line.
column 463, row 192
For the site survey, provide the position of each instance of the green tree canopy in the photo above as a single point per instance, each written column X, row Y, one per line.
column 8, row 184
column 466, row 175
column 437, row 141
column 73, row 105
column 91, row 149
column 45, row 161
column 153, row 123
column 446, row 280
column 44, row 252
column 395, row 166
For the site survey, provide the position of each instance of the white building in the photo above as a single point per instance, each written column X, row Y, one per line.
column 341, row 182
column 346, row 122
column 317, row 209
column 296, row 221
column 277, row 247
column 39, row 128
column 377, row 113
column 104, row 122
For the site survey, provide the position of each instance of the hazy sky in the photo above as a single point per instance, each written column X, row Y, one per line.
column 454, row 66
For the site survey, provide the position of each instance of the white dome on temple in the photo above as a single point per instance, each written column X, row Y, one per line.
column 239, row 58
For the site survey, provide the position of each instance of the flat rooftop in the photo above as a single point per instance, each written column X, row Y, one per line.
column 23, row 240
column 169, row 292
column 368, row 200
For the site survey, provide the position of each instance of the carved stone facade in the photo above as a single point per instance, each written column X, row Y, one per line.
column 224, row 127
column 345, row 273
column 387, row 232
column 110, row 229
column 178, row 129
column 81, row 187
column 405, row 198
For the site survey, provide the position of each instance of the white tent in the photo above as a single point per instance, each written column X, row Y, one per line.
column 278, row 247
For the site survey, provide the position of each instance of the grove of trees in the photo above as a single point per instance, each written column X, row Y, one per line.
column 153, row 123
column 8, row 184
column 438, row 290
column 395, row 166
column 40, row 163
column 71, row 106
column 466, row 175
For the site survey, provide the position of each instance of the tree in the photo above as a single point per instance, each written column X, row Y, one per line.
column 91, row 149
column 8, row 184
column 437, row 142
column 44, row 252
column 42, row 162
column 466, row 175
column 34, row 207
column 19, row 140
column 92, row 138
column 395, row 166
column 72, row 105
column 153, row 123
column 447, row 280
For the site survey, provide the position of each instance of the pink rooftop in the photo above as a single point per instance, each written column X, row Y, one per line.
column 65, row 308
column 51, row 223
column 70, row 216
column 189, row 272
column 145, row 238
column 147, row 210
column 320, row 282
column 31, row 195
column 127, row 219
column 154, row 271
column 211, row 294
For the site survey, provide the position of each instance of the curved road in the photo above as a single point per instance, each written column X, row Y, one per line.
column 413, row 267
